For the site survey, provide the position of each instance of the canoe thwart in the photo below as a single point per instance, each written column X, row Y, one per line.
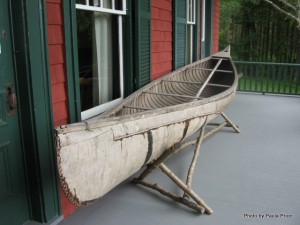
column 205, row 69
column 208, row 78
column 198, row 83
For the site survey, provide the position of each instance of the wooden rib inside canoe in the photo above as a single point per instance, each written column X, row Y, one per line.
column 97, row 154
column 203, row 79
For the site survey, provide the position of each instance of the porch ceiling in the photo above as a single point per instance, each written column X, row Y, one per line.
column 254, row 172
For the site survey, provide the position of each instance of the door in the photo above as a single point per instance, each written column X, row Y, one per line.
column 13, row 194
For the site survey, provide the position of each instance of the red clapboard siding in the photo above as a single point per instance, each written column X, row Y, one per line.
column 56, row 46
column 158, row 25
column 159, row 57
column 57, row 73
column 60, row 109
column 162, row 4
column 164, row 46
column 216, row 26
column 55, row 34
column 158, row 36
column 161, row 69
column 161, row 20
column 57, row 123
column 57, row 60
column 67, row 207
column 161, row 14
column 54, row 13
column 58, row 93
column 56, row 53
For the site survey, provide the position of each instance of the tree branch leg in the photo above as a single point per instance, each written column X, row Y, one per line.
column 231, row 123
column 184, row 187
column 194, row 160
column 171, row 195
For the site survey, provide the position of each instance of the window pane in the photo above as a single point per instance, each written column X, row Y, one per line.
column 88, row 2
column 98, row 57
column 190, row 10
column 188, row 44
column 193, row 11
column 95, row 3
column 119, row 4
column 83, row 2
column 107, row 4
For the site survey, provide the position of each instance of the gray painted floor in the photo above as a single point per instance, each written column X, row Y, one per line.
column 256, row 172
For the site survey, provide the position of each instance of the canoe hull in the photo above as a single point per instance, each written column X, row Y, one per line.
column 92, row 161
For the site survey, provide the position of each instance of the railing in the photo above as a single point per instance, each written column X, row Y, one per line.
column 275, row 78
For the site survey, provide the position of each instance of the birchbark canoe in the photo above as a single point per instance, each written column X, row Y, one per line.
column 96, row 155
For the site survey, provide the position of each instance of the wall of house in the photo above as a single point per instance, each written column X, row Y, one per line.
column 216, row 26
column 161, row 37
column 57, row 59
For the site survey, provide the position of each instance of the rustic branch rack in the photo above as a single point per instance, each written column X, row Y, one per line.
column 198, row 204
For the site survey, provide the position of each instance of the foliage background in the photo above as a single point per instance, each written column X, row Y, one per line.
column 258, row 32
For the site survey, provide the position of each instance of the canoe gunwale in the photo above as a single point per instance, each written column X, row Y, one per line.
column 110, row 121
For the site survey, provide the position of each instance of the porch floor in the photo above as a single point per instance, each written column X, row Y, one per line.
column 256, row 172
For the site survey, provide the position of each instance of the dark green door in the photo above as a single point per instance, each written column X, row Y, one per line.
column 13, row 194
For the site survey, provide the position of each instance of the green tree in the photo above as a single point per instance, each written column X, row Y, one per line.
column 291, row 9
column 257, row 32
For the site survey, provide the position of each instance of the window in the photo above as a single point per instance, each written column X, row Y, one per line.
column 191, row 12
column 185, row 32
column 109, row 6
column 191, row 21
column 100, row 54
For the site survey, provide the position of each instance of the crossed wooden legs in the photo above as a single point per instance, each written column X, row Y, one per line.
column 199, row 205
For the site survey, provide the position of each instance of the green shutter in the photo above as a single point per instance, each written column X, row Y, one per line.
column 142, row 42
column 180, row 29
column 71, row 52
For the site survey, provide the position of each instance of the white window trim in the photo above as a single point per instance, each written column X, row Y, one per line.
column 100, row 109
column 104, row 107
column 203, row 20
column 193, row 20
column 100, row 8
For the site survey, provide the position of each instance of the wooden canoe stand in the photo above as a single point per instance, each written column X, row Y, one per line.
column 197, row 204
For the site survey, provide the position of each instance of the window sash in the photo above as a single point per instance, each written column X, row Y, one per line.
column 191, row 12
column 86, row 114
column 101, row 8
column 105, row 106
column 203, row 20
column 191, row 21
